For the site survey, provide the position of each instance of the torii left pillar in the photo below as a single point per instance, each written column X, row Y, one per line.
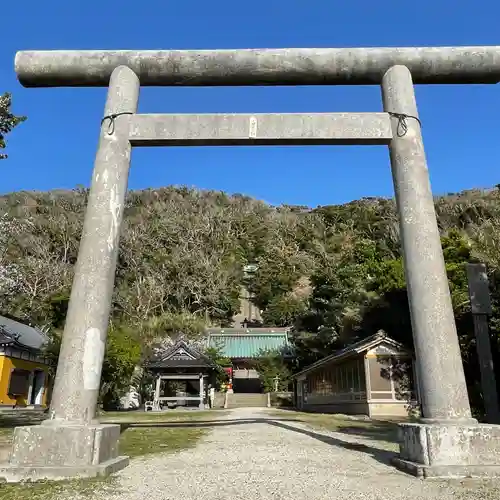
column 71, row 442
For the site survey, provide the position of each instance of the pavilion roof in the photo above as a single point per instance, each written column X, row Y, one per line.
column 21, row 335
column 247, row 343
column 180, row 355
column 362, row 346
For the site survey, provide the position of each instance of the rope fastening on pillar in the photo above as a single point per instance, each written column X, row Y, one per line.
column 402, row 125
column 111, row 118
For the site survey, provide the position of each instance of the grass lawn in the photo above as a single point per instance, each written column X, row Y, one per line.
column 168, row 416
column 136, row 442
column 384, row 431
column 142, row 434
column 52, row 490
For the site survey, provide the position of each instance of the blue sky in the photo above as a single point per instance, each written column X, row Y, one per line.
column 55, row 148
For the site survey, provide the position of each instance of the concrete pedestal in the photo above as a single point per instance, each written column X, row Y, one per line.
column 59, row 451
column 449, row 450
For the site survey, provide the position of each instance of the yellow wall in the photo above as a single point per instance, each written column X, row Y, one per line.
column 2, row 381
column 7, row 364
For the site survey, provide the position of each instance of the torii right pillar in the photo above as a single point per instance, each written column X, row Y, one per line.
column 447, row 441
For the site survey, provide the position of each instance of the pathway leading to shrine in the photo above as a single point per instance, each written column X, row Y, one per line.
column 252, row 454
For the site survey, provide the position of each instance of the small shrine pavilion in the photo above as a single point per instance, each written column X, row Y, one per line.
column 182, row 377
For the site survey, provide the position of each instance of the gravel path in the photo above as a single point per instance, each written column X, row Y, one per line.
column 254, row 456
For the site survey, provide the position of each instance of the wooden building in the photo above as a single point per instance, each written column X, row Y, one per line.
column 182, row 377
column 243, row 347
column 372, row 377
column 24, row 371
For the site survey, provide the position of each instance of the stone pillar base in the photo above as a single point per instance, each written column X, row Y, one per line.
column 62, row 451
column 449, row 451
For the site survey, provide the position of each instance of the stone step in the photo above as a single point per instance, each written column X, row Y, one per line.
column 247, row 399
column 238, row 400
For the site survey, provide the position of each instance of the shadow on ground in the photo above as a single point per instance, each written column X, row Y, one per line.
column 382, row 432
column 379, row 454
column 186, row 424
column 376, row 431
column 371, row 430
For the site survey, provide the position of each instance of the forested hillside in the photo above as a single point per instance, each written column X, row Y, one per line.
column 334, row 272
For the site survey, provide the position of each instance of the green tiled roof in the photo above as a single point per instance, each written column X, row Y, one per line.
column 247, row 345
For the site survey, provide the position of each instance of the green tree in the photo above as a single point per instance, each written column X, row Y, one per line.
column 387, row 308
column 123, row 352
column 284, row 310
column 220, row 361
column 7, row 120
column 271, row 364
column 170, row 325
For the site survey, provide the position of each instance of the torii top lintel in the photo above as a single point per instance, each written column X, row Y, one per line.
column 325, row 66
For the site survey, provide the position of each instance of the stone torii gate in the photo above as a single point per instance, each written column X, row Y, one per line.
column 447, row 440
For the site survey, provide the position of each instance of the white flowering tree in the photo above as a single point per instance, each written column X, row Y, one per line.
column 11, row 277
